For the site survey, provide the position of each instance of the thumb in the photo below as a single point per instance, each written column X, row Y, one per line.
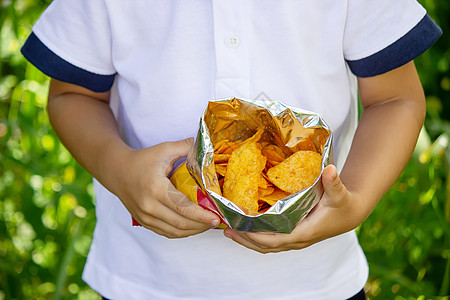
column 171, row 151
column 334, row 190
column 175, row 153
column 181, row 148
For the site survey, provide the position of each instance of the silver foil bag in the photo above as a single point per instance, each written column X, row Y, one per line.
column 238, row 119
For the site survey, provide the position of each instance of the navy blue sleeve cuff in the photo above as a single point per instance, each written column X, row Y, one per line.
column 55, row 67
column 405, row 49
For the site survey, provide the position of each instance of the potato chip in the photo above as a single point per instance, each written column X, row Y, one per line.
column 263, row 206
column 221, row 158
column 221, row 169
column 255, row 138
column 223, row 148
column 232, row 146
column 273, row 153
column 276, row 195
column 243, row 175
column 220, row 144
column 297, row 172
column 265, row 176
column 263, row 192
column 241, row 169
column 263, row 183
column 272, row 163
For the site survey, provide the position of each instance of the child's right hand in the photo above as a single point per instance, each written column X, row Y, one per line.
column 149, row 196
column 86, row 125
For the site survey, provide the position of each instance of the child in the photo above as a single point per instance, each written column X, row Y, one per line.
column 130, row 81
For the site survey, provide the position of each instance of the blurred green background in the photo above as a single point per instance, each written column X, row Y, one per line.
column 47, row 208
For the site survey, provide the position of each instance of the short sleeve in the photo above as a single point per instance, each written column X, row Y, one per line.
column 381, row 35
column 71, row 42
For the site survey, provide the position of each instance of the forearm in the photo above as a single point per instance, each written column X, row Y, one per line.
column 385, row 139
column 382, row 146
column 87, row 128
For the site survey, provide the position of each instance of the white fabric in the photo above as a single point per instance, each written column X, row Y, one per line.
column 171, row 57
column 378, row 30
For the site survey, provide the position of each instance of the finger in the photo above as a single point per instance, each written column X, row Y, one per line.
column 173, row 208
column 235, row 236
column 172, row 233
column 164, row 221
column 178, row 148
column 268, row 239
column 242, row 239
column 172, row 151
column 180, row 204
column 158, row 214
column 165, row 229
column 334, row 190
column 278, row 241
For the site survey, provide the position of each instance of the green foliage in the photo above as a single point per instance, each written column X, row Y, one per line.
column 407, row 237
column 46, row 203
column 46, row 209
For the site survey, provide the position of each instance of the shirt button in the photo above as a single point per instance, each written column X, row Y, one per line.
column 232, row 41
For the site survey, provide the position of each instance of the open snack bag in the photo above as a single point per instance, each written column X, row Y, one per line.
column 257, row 164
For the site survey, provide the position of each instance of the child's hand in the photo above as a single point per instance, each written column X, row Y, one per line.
column 86, row 125
column 151, row 198
column 337, row 212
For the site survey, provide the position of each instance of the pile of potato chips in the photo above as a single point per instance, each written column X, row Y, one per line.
column 255, row 174
column 257, row 163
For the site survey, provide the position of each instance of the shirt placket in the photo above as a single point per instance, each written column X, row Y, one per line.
column 231, row 22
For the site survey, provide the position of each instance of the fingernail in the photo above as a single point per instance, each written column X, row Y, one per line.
column 215, row 223
column 227, row 234
column 334, row 176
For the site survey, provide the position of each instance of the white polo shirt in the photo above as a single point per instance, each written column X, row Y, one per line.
column 163, row 60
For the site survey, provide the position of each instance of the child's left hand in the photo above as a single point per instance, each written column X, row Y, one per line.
column 393, row 112
column 337, row 212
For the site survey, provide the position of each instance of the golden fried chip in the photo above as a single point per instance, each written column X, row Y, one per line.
column 232, row 146
column 263, row 183
column 222, row 148
column 243, row 175
column 268, row 166
column 297, row 172
column 254, row 138
column 263, row 192
column 221, row 158
column 221, row 169
column 272, row 163
column 273, row 153
column 265, row 177
column 220, row 144
column 263, row 206
column 276, row 195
